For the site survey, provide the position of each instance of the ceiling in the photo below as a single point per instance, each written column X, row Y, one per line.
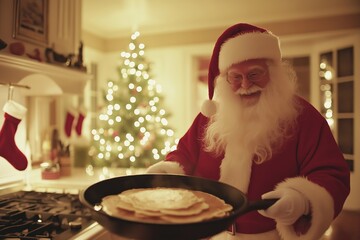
column 118, row 18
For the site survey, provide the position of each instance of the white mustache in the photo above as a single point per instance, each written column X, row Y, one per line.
column 251, row 90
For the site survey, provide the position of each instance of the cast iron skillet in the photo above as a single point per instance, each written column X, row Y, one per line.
column 92, row 196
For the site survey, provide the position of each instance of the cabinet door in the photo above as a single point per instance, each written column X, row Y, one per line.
column 65, row 25
column 337, row 84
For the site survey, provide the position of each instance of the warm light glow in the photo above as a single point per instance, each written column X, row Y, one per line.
column 322, row 65
column 132, row 99
column 325, row 72
column 327, row 103
column 328, row 75
column 132, row 71
column 170, row 132
column 164, row 121
column 133, row 127
column 329, row 113
column 109, row 97
column 131, row 46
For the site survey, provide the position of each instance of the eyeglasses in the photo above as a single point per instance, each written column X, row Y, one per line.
column 254, row 75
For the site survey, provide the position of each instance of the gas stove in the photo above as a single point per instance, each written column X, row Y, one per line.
column 33, row 215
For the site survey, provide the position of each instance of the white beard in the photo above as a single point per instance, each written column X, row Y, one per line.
column 244, row 132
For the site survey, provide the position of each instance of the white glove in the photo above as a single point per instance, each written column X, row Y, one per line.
column 165, row 167
column 289, row 208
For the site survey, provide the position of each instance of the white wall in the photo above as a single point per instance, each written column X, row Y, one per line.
column 175, row 69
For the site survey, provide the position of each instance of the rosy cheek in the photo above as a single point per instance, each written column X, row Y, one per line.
column 262, row 83
column 235, row 87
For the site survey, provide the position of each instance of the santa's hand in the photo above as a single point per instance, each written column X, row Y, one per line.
column 165, row 167
column 289, row 208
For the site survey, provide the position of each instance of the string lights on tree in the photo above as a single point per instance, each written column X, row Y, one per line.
column 134, row 130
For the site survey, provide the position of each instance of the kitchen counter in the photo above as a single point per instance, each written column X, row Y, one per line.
column 80, row 178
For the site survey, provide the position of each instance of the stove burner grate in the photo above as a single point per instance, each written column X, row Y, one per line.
column 41, row 215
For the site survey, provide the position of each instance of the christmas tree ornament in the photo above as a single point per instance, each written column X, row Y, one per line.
column 14, row 112
column 69, row 121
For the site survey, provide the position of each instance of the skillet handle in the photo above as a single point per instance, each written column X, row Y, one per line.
column 262, row 204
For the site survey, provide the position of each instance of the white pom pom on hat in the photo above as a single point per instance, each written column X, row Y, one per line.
column 208, row 108
column 238, row 43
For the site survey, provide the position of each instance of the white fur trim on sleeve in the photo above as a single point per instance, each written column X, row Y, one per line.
column 321, row 204
column 166, row 167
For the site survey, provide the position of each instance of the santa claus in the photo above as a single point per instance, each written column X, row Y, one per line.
column 259, row 136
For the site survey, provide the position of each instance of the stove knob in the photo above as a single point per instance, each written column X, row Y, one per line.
column 76, row 224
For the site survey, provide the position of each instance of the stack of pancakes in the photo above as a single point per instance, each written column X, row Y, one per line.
column 165, row 205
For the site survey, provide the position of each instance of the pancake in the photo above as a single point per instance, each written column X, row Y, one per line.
column 217, row 208
column 165, row 205
column 156, row 199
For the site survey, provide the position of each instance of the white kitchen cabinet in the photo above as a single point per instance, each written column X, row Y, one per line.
column 65, row 25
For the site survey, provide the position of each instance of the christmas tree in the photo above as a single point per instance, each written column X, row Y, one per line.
column 133, row 128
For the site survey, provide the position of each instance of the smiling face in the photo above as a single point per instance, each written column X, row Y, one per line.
column 247, row 79
column 255, row 109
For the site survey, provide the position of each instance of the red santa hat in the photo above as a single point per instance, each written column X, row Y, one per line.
column 239, row 43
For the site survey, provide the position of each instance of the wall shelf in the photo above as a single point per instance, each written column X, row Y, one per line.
column 15, row 69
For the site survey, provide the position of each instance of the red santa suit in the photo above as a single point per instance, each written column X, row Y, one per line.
column 309, row 161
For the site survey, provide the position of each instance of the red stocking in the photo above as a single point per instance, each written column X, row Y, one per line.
column 78, row 127
column 8, row 149
column 69, row 120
